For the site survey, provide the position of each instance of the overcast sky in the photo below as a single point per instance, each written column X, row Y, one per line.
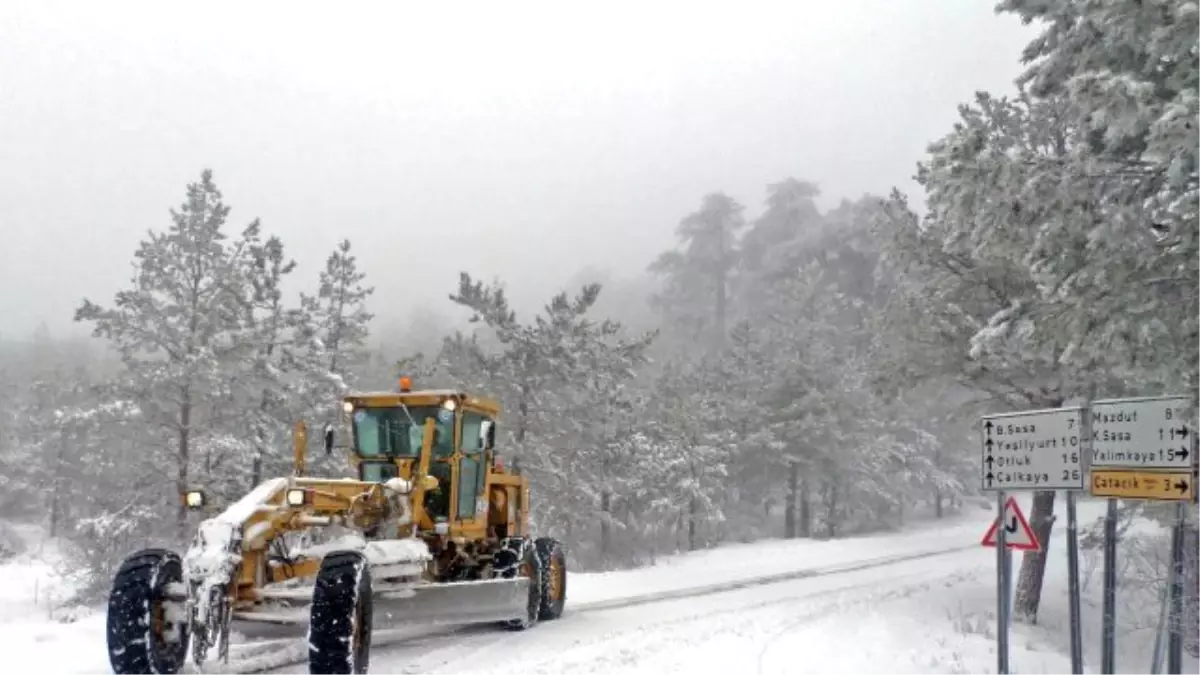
column 511, row 139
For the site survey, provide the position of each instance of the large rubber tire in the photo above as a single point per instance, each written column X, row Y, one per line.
column 518, row 557
column 339, row 623
column 139, row 628
column 554, row 578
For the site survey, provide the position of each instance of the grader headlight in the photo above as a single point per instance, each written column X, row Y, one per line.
column 194, row 499
column 296, row 497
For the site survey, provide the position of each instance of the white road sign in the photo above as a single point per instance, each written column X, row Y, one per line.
column 1033, row 450
column 1143, row 433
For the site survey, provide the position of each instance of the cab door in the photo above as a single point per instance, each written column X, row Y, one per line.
column 471, row 505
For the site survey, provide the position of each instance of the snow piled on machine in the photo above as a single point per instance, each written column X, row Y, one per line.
column 379, row 552
column 216, row 550
column 215, row 553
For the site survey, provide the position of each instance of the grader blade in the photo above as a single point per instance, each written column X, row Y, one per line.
column 452, row 603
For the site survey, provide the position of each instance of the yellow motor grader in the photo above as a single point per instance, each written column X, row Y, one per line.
column 436, row 530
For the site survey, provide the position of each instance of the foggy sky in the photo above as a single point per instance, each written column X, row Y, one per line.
column 519, row 140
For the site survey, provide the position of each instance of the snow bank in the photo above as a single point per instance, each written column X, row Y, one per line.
column 38, row 634
column 32, row 583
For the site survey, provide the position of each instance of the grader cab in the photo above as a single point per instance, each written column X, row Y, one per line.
column 434, row 530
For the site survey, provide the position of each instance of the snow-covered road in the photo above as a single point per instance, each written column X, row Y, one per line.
column 919, row 600
column 900, row 617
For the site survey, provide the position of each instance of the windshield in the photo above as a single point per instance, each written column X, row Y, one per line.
column 388, row 432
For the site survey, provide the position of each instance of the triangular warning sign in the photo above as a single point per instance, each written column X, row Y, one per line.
column 1017, row 533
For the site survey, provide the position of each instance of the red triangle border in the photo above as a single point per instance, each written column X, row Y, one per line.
column 989, row 539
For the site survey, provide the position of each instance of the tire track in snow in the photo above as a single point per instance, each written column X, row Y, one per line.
column 764, row 580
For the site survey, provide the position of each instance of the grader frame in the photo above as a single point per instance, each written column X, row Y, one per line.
column 439, row 533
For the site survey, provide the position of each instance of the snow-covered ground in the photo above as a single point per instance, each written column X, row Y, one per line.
column 922, row 600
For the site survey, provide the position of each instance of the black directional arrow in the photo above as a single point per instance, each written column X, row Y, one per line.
column 1183, row 453
column 989, row 444
column 1182, row 487
column 1182, row 431
column 988, row 426
column 990, row 477
column 1011, row 527
column 989, row 461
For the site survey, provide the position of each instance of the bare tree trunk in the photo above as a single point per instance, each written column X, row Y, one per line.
column 793, row 494
column 831, row 505
column 805, row 509
column 181, row 481
column 937, row 502
column 1033, row 565
column 693, row 510
column 605, row 527
column 522, row 413
column 722, row 282
column 56, row 482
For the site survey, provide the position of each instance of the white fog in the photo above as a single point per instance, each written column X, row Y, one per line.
column 779, row 337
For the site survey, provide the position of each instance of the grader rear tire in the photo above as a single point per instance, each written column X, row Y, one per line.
column 554, row 578
column 339, row 624
column 143, row 636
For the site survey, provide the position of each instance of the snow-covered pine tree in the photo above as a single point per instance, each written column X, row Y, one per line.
column 562, row 379
column 698, row 278
column 774, row 240
column 180, row 327
column 1129, row 73
column 691, row 440
column 1013, row 177
column 601, row 406
column 270, row 398
column 338, row 313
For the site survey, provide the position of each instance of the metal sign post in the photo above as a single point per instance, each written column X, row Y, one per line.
column 1002, row 572
column 1108, row 649
column 1073, row 592
column 1175, row 622
column 1073, row 586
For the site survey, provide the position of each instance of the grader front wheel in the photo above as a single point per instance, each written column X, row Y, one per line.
column 147, row 629
column 518, row 558
column 339, row 625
